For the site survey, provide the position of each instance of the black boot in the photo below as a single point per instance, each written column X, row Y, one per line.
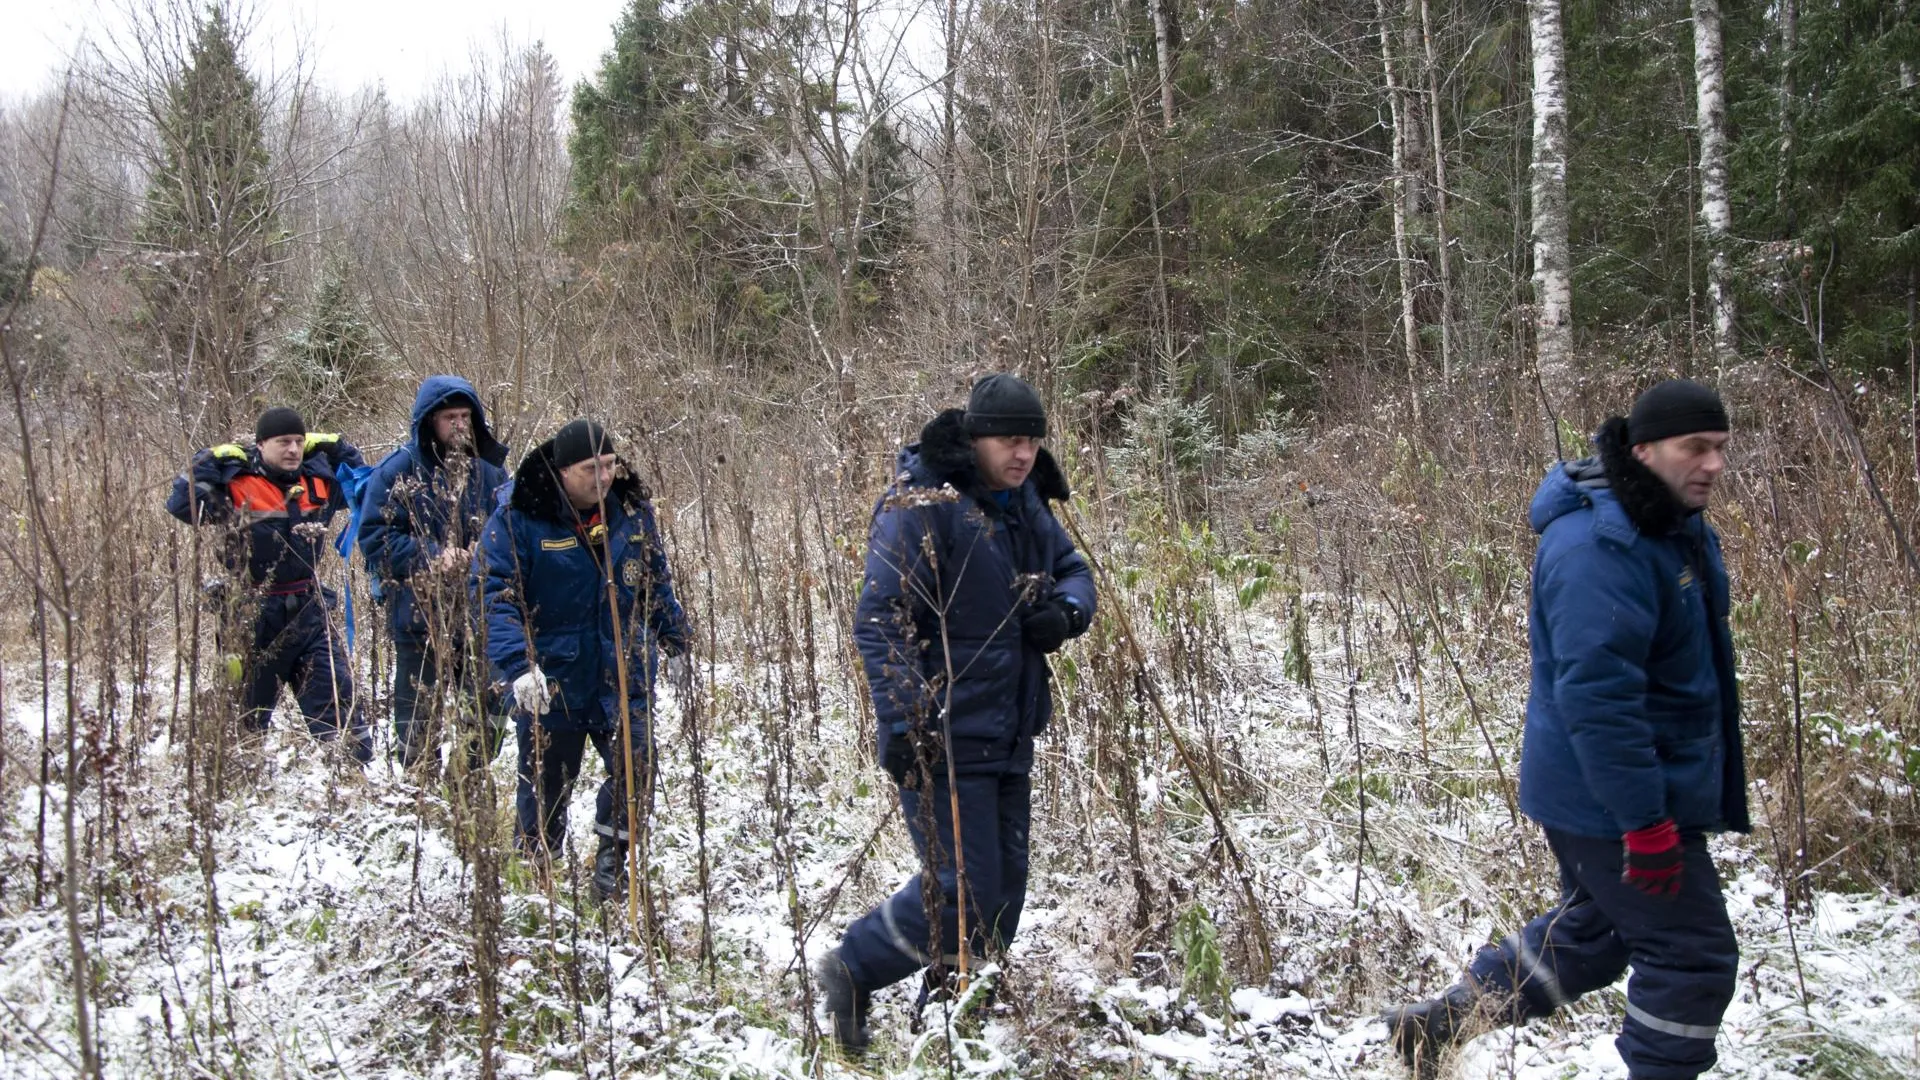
column 1421, row 1032
column 610, row 870
column 846, row 1004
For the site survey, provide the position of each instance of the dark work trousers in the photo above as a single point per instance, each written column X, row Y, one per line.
column 417, row 668
column 1682, row 951
column 294, row 644
column 549, row 764
column 894, row 940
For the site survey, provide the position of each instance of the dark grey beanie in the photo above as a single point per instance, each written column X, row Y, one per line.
column 276, row 422
column 1672, row 408
column 1004, row 404
column 579, row 440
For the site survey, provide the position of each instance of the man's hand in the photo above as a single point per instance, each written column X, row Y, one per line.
column 451, row 562
column 680, row 676
column 1653, row 860
column 317, row 440
column 531, row 693
column 1046, row 627
column 231, row 451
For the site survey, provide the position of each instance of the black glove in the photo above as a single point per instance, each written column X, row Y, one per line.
column 901, row 759
column 1046, row 627
column 898, row 759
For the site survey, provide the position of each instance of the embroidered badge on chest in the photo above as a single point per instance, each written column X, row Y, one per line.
column 559, row 545
column 630, row 572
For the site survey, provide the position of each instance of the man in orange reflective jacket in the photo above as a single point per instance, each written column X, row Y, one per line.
column 274, row 500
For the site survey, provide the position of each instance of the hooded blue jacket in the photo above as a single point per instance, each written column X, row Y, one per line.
column 230, row 485
column 412, row 511
column 950, row 572
column 544, row 590
column 1634, row 713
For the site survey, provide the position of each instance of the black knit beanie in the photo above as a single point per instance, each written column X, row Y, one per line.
column 1674, row 407
column 276, row 422
column 1005, row 405
column 579, row 440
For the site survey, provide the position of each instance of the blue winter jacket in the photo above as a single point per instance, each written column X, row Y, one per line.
column 1634, row 715
column 412, row 511
column 950, row 573
column 544, row 590
column 229, row 485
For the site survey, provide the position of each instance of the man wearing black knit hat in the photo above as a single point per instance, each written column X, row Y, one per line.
column 579, row 604
column 276, row 499
column 1632, row 751
column 970, row 585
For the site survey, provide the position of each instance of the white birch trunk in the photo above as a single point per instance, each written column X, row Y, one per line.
column 1443, row 241
column 1409, row 327
column 1163, row 51
column 1552, row 276
column 1716, row 215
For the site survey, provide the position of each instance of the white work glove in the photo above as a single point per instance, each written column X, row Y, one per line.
column 530, row 692
column 680, row 675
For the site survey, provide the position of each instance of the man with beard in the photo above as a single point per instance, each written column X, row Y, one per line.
column 1632, row 751
column 426, row 503
column 275, row 499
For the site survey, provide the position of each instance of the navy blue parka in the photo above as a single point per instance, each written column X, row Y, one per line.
column 544, row 591
column 950, row 573
column 413, row 513
column 1634, row 714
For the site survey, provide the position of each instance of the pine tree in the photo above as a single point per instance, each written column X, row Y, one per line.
column 333, row 359
column 209, row 229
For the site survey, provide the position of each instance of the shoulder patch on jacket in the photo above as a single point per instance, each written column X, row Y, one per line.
column 565, row 543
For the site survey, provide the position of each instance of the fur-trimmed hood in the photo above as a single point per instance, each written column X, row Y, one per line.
column 1611, row 476
column 535, row 488
column 944, row 455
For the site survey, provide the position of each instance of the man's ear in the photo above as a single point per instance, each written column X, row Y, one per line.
column 1643, row 453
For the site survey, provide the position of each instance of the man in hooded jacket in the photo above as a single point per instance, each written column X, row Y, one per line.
column 970, row 585
column 426, row 503
column 579, row 601
column 274, row 500
column 1632, row 751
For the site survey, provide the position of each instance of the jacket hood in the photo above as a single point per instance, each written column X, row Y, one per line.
column 535, row 488
column 1613, row 482
column 438, row 391
column 944, row 455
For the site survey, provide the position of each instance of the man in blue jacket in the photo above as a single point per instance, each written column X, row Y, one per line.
column 274, row 501
column 426, row 503
column 1632, row 751
column 970, row 584
column 577, row 596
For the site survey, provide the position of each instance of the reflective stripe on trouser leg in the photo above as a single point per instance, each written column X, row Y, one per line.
column 1671, row 1027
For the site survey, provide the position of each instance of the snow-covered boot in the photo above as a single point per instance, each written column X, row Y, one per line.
column 610, row 870
column 846, row 1005
column 1424, row 1030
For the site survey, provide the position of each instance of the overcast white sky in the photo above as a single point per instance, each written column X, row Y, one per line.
column 405, row 44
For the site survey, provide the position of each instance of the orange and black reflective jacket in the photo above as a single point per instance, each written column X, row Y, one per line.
column 264, row 514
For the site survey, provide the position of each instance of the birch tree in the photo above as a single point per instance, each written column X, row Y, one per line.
column 1716, row 215
column 1552, row 278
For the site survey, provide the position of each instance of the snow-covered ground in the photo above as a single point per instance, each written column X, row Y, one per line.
column 344, row 945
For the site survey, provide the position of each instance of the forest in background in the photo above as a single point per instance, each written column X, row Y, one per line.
column 1287, row 273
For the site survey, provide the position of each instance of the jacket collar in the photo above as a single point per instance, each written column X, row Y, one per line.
column 946, row 456
column 537, row 492
column 1649, row 504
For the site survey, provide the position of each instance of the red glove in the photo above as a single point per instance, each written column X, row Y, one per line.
column 1653, row 860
